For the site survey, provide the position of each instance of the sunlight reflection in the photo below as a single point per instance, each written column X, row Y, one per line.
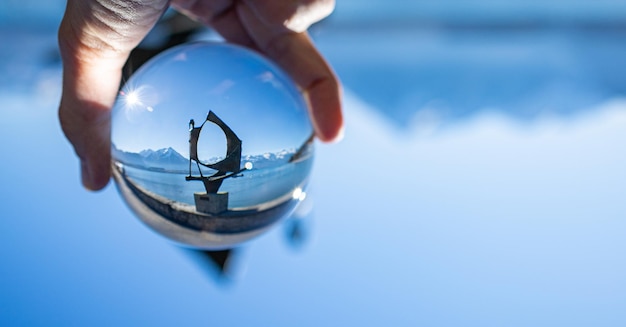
column 299, row 194
column 141, row 98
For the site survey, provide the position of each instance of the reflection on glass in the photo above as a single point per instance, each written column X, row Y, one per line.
column 211, row 144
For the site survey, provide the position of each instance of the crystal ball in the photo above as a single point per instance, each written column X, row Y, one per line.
column 211, row 144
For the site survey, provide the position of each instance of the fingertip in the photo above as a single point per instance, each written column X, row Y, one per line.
column 338, row 136
column 85, row 175
column 326, row 114
column 324, row 102
column 329, row 132
column 93, row 179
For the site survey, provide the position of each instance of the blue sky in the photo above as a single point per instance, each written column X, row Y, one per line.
column 261, row 104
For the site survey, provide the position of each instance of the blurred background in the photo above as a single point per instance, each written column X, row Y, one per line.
column 481, row 182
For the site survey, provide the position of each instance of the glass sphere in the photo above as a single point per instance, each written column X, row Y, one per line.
column 211, row 144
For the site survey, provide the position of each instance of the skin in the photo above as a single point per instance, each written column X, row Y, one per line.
column 97, row 36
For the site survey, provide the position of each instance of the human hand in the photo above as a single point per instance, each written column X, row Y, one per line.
column 97, row 36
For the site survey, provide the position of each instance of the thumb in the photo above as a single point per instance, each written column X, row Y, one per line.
column 89, row 90
column 95, row 39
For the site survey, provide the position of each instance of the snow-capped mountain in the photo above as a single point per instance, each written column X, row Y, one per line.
column 166, row 156
column 168, row 159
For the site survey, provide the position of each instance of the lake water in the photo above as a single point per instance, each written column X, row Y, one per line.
column 253, row 187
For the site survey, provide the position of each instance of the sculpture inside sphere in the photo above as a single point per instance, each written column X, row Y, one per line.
column 211, row 144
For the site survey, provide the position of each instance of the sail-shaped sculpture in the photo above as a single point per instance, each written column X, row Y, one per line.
column 230, row 166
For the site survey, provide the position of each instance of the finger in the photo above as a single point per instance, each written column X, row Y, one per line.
column 220, row 14
column 294, row 15
column 95, row 38
column 295, row 53
column 89, row 91
column 90, row 85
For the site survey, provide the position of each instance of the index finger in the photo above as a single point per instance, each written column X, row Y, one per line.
column 297, row 55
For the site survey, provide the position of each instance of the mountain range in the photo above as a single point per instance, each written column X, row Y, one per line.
column 168, row 159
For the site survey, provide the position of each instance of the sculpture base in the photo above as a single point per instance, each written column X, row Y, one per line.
column 211, row 203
